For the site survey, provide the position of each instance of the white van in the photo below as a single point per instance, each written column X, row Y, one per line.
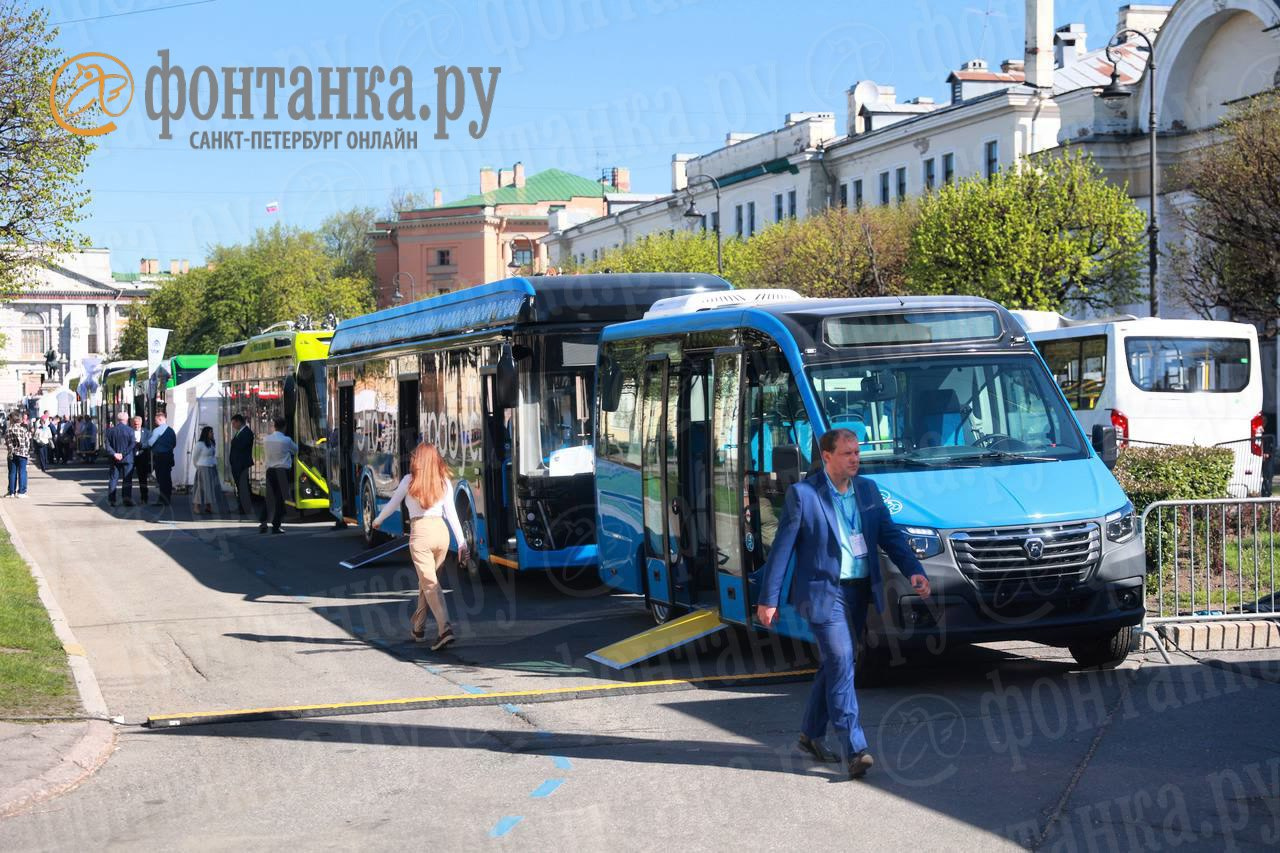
column 1160, row 381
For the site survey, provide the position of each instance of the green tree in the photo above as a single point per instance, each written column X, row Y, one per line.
column 280, row 274
column 837, row 253
column 1052, row 234
column 678, row 251
column 346, row 239
column 1232, row 261
column 40, row 162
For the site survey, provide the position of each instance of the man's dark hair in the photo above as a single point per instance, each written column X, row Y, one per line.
column 237, row 418
column 279, row 422
column 827, row 443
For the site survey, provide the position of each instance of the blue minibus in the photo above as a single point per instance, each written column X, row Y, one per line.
column 501, row 378
column 708, row 413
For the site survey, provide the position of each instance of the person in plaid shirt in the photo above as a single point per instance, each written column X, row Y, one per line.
column 18, row 441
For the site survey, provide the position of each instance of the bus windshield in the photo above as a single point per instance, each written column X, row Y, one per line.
column 556, row 417
column 955, row 411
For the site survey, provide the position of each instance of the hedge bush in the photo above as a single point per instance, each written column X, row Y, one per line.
column 1175, row 473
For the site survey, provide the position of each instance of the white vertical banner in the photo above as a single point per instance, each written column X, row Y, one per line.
column 156, row 340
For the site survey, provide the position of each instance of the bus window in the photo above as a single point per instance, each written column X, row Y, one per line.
column 776, row 417
column 1187, row 365
column 1079, row 366
column 619, row 440
column 555, row 414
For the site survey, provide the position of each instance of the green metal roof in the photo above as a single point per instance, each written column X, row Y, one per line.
column 550, row 185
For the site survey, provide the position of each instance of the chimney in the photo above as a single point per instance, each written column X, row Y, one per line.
column 679, row 171
column 488, row 180
column 437, row 197
column 142, row 265
column 186, row 266
column 518, row 177
column 506, row 177
column 1039, row 52
column 621, row 179
column 1069, row 44
column 1013, row 66
column 153, row 266
column 861, row 94
column 174, row 266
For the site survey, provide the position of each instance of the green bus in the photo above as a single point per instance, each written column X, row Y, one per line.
column 279, row 373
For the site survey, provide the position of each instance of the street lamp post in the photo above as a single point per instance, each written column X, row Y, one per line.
column 1116, row 92
column 533, row 253
column 396, row 279
column 693, row 213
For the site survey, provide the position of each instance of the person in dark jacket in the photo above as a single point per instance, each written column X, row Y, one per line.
column 240, row 460
column 142, row 456
column 120, row 446
column 163, row 442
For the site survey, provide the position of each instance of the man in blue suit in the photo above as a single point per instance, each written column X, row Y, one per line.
column 121, row 445
column 163, row 442
column 834, row 522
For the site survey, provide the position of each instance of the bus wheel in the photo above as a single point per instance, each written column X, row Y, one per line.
column 661, row 613
column 467, row 519
column 1107, row 651
column 367, row 514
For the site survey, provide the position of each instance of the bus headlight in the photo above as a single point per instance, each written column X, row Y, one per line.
column 1122, row 524
column 925, row 541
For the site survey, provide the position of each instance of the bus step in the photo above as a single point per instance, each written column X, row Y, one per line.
column 386, row 549
column 659, row 639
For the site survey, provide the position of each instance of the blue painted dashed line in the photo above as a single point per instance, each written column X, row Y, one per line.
column 467, row 688
column 561, row 762
column 504, row 826
column 434, row 670
column 546, row 789
column 511, row 709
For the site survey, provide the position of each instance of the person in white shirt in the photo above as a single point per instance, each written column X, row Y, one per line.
column 427, row 493
column 278, row 451
column 207, row 491
column 141, row 456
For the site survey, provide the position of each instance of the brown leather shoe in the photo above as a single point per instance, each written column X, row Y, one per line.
column 816, row 749
column 859, row 764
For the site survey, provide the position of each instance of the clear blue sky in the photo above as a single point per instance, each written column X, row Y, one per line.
column 585, row 84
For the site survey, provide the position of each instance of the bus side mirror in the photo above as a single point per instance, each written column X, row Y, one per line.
column 506, row 384
column 610, row 385
column 1104, row 443
column 787, row 465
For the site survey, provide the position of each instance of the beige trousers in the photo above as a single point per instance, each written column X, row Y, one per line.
column 428, row 545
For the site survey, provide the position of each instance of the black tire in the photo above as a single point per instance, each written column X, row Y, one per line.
column 467, row 519
column 661, row 613
column 368, row 513
column 1107, row 651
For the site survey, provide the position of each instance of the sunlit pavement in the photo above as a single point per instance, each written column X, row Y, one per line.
column 975, row 749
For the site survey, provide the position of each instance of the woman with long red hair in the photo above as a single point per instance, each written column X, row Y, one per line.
column 427, row 491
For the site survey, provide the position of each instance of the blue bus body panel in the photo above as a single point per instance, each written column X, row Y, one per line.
column 619, row 526
column 531, row 559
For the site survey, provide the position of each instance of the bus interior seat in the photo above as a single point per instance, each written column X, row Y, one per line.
column 939, row 421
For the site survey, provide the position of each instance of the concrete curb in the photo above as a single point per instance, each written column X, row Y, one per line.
column 98, row 741
column 1224, row 635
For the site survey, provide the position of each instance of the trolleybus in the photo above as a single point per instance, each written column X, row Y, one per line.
column 501, row 378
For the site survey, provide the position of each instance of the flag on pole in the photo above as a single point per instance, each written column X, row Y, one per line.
column 156, row 340
column 273, row 207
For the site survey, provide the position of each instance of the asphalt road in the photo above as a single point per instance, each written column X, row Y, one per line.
column 981, row 748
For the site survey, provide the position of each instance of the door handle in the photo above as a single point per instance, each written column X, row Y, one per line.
column 675, row 506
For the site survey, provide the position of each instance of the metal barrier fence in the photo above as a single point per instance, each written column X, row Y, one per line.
column 1212, row 559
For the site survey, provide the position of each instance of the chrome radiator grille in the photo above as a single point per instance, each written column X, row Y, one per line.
column 1041, row 558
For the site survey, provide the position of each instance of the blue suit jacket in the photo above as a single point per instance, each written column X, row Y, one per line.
column 166, row 443
column 119, row 439
column 809, row 529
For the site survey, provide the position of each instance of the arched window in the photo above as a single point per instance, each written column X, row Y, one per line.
column 34, row 335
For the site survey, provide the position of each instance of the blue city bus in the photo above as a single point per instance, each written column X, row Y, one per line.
column 501, row 378
column 706, row 417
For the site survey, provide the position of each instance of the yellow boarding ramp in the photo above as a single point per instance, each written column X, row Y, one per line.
column 659, row 639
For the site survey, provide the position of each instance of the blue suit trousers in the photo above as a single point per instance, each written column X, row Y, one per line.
column 832, row 699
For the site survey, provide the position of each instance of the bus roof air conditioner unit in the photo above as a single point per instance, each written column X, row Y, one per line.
column 691, row 302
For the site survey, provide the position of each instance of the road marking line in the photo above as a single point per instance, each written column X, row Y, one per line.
column 511, row 709
column 546, row 789
column 504, row 826
column 462, row 700
column 561, row 762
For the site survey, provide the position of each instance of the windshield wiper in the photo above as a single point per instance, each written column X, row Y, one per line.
column 903, row 460
column 1009, row 455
